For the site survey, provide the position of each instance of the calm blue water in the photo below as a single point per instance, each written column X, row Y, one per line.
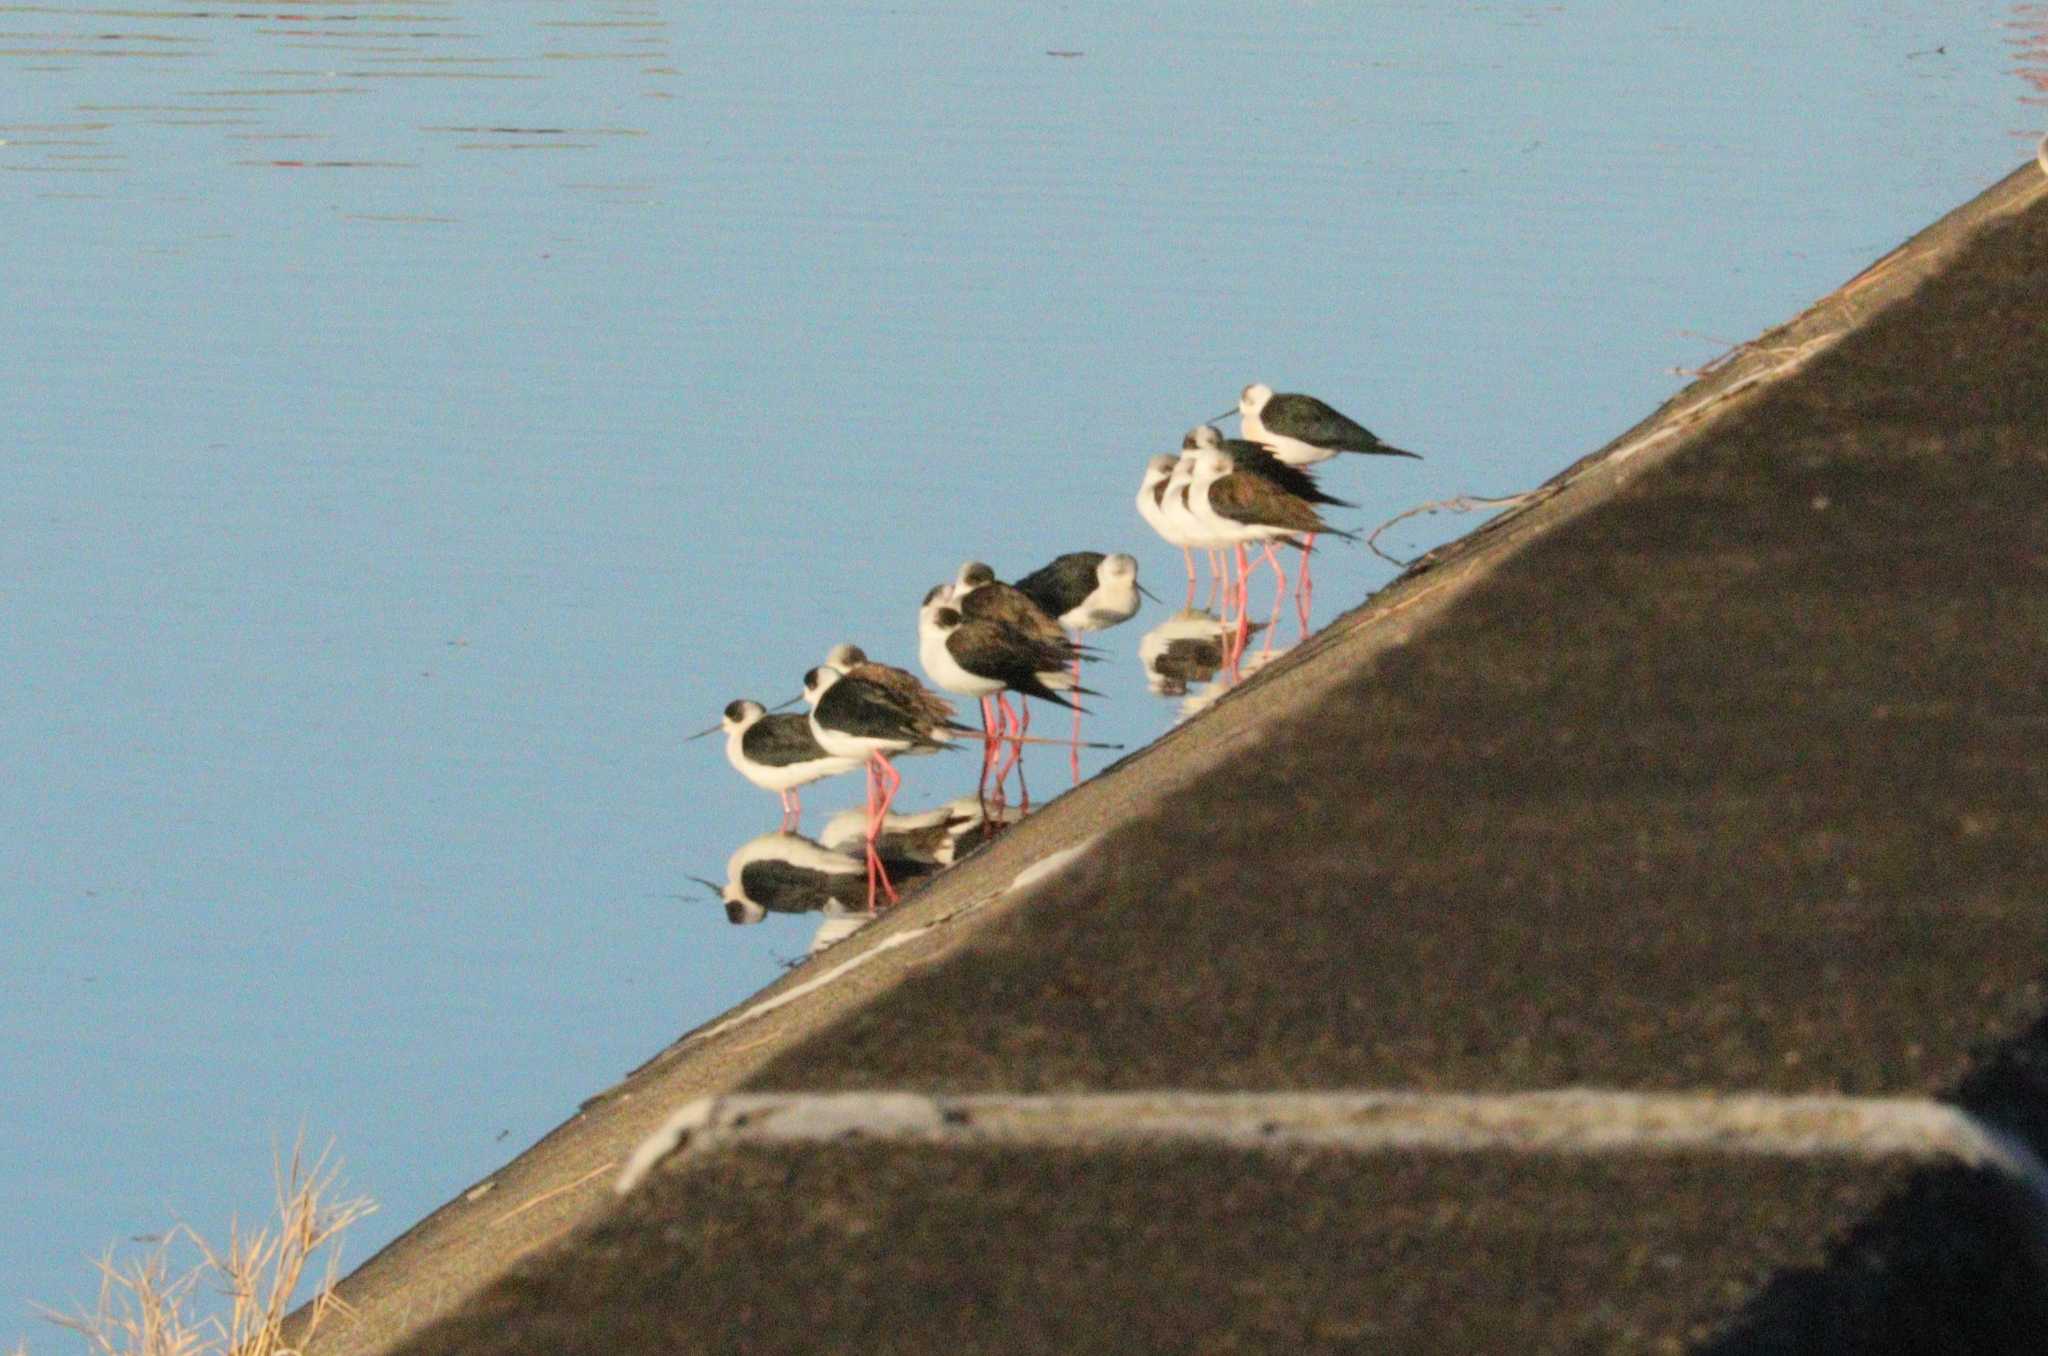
column 422, row 415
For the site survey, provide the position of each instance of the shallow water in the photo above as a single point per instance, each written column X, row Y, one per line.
column 425, row 414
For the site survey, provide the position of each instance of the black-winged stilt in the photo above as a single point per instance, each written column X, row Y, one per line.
column 1301, row 430
column 986, row 658
column 1247, row 505
column 854, row 717
column 776, row 753
column 1085, row 591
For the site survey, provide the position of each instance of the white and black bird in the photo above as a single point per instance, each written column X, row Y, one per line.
column 901, row 684
column 1254, row 459
column 981, row 599
column 776, row 753
column 858, row 717
column 1196, row 528
column 787, row 873
column 1291, row 479
column 1151, row 502
column 1252, row 504
column 980, row 596
column 1085, row 591
column 1161, row 503
column 1301, row 430
column 989, row 656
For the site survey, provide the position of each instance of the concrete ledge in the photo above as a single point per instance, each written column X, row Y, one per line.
column 1575, row 1120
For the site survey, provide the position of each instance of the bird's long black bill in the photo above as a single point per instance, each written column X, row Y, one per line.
column 717, row 890
column 712, row 731
column 1219, row 418
column 1147, row 592
column 784, row 706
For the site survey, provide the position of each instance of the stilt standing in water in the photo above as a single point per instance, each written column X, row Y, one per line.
column 1250, row 507
column 981, row 597
column 985, row 659
column 776, row 753
column 858, row 718
column 1086, row 591
column 1302, row 431
column 1151, row 503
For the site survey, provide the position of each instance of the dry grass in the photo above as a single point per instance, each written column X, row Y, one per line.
column 186, row 1298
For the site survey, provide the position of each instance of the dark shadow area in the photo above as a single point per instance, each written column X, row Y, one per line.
column 1952, row 1263
column 910, row 1248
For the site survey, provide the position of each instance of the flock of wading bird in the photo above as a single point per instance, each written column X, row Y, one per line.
column 979, row 637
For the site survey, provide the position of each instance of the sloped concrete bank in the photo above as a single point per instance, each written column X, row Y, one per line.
column 565, row 1180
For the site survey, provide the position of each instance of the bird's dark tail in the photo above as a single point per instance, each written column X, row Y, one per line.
column 1385, row 450
column 1036, row 688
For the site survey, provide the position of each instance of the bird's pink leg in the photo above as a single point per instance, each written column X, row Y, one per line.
column 998, row 722
column 791, row 814
column 989, row 750
column 1279, row 598
column 1023, row 728
column 890, row 779
column 1244, row 610
column 1187, row 554
column 1218, row 578
column 1074, row 758
column 1305, row 594
column 874, row 859
column 1013, row 752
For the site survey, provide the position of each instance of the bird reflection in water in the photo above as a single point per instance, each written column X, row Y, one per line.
column 790, row 874
column 924, row 842
column 1187, row 656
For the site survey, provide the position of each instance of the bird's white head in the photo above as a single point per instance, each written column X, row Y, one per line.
column 1253, row 399
column 819, row 681
column 1200, row 436
column 1159, row 468
column 740, row 714
column 1208, row 463
column 972, row 576
column 844, row 657
column 1117, row 568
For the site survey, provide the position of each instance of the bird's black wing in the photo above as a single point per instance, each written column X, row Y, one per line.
column 1248, row 456
column 781, row 741
column 858, row 707
column 1313, row 422
column 1063, row 585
